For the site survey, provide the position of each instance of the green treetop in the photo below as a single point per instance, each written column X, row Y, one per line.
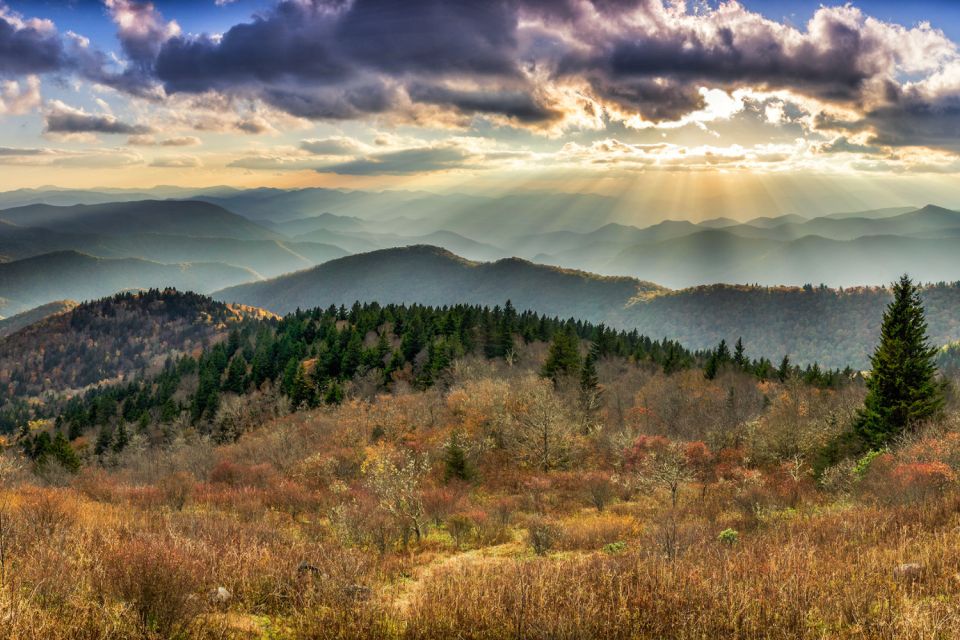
column 902, row 390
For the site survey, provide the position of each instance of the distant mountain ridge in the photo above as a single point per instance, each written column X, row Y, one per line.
column 35, row 281
column 832, row 327
column 435, row 276
column 180, row 217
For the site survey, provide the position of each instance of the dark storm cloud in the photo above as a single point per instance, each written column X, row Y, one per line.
column 336, row 60
column 330, row 61
column 26, row 49
column 432, row 37
column 526, row 62
column 933, row 123
column 514, row 104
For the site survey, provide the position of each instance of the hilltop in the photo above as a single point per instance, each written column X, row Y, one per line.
column 434, row 276
column 834, row 327
column 110, row 339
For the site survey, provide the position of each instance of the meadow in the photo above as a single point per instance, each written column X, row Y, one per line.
column 498, row 504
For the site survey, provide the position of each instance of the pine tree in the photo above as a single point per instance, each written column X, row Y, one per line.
column 334, row 394
column 902, row 390
column 739, row 355
column 104, row 438
column 456, row 465
column 121, row 438
column 563, row 358
column 236, row 381
column 785, row 369
column 589, row 381
column 64, row 453
column 712, row 367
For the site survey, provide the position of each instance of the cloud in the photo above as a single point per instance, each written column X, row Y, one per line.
column 17, row 98
column 253, row 125
column 332, row 146
column 176, row 162
column 327, row 60
column 142, row 31
column 521, row 105
column 151, row 141
column 549, row 66
column 12, row 151
column 28, row 46
column 62, row 118
column 404, row 162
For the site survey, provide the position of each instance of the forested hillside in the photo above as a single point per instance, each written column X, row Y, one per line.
column 27, row 318
column 835, row 327
column 106, row 340
column 434, row 276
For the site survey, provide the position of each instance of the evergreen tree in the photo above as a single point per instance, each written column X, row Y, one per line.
column 334, row 394
column 456, row 465
column 104, row 438
column 739, row 355
column 236, row 381
column 589, row 381
column 64, row 453
column 121, row 438
column 712, row 366
column 785, row 369
column 902, row 390
column 563, row 358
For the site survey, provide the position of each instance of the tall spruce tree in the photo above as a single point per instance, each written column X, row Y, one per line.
column 563, row 359
column 902, row 390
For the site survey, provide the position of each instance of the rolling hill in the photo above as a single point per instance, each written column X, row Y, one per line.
column 32, row 282
column 105, row 340
column 834, row 327
column 431, row 275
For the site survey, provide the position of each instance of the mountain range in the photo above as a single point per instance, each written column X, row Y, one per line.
column 36, row 281
column 557, row 255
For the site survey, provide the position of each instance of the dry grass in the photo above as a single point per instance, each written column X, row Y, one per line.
column 285, row 520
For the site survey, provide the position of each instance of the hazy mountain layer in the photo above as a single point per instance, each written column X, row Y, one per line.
column 178, row 217
column 32, row 282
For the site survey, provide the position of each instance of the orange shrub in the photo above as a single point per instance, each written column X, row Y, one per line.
column 242, row 475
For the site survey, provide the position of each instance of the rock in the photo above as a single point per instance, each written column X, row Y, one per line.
column 221, row 595
column 908, row 572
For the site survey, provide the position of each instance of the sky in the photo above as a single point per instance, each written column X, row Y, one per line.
column 681, row 109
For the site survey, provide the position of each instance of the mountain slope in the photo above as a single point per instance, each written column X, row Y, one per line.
column 430, row 275
column 29, row 283
column 110, row 338
column 175, row 217
column 16, row 323
column 725, row 256
column 836, row 328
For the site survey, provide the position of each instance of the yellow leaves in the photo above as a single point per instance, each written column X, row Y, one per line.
column 40, row 424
